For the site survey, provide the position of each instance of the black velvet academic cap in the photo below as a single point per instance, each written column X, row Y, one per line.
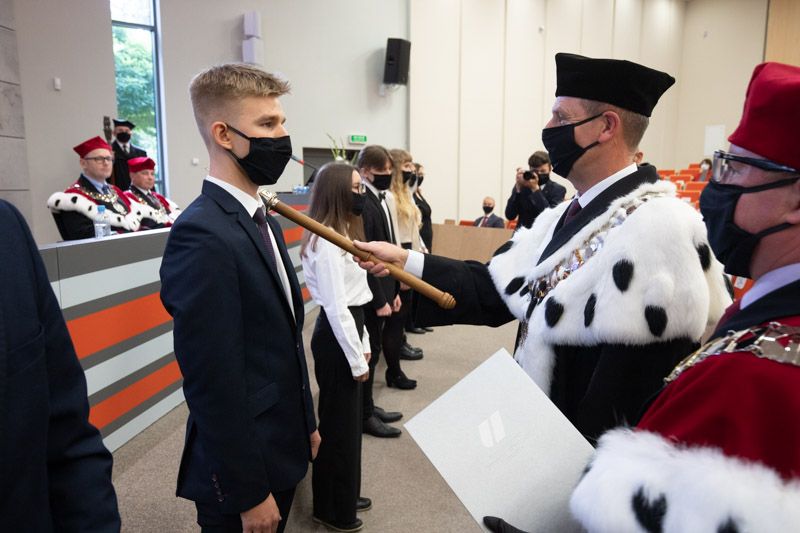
column 614, row 81
column 123, row 122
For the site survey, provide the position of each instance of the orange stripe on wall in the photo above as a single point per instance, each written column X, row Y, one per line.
column 292, row 235
column 135, row 394
column 97, row 331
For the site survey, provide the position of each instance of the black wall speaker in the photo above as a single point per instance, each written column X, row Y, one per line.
column 395, row 70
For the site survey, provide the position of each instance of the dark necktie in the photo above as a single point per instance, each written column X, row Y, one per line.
column 106, row 189
column 485, row 220
column 732, row 309
column 572, row 211
column 261, row 221
column 389, row 214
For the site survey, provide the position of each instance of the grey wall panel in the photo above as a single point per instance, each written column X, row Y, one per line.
column 9, row 61
column 11, row 123
column 14, row 175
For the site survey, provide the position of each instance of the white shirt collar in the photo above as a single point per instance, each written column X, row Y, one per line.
column 770, row 282
column 97, row 184
column 595, row 190
column 249, row 203
column 145, row 192
column 371, row 187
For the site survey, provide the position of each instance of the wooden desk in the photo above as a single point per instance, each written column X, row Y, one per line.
column 468, row 242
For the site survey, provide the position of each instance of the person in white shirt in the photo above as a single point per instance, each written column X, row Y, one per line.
column 339, row 345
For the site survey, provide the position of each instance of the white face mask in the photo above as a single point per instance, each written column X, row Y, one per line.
column 704, row 166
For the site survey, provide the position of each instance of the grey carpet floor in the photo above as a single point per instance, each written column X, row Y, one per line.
column 407, row 492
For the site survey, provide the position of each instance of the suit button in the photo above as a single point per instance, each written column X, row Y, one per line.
column 303, row 388
column 220, row 499
column 213, row 477
column 216, row 485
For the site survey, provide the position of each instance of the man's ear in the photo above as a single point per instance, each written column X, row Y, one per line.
column 611, row 126
column 221, row 135
column 793, row 216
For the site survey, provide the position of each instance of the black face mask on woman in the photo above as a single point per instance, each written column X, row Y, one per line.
column 732, row 245
column 267, row 158
column 409, row 178
column 559, row 141
column 381, row 181
column 358, row 204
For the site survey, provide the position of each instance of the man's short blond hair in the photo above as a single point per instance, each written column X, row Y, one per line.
column 214, row 89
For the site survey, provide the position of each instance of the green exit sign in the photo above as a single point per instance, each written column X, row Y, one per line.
column 358, row 139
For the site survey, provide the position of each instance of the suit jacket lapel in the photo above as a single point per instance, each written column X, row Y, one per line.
column 781, row 303
column 297, row 295
column 377, row 201
column 597, row 207
column 232, row 206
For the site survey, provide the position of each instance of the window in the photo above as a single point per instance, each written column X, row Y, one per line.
column 136, row 59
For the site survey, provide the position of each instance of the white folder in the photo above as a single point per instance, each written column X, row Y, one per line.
column 504, row 448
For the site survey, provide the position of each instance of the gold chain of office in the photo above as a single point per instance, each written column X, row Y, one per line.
column 775, row 341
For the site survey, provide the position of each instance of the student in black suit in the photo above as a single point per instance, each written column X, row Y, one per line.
column 375, row 166
column 489, row 219
column 124, row 149
column 228, row 282
column 56, row 472
column 534, row 191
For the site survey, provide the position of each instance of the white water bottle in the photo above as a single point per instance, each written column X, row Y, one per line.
column 102, row 225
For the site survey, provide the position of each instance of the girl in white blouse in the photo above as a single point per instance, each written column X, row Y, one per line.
column 339, row 345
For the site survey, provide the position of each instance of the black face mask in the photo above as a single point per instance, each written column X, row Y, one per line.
column 487, row 209
column 123, row 136
column 559, row 141
column 267, row 158
column 732, row 245
column 409, row 178
column 544, row 178
column 419, row 180
column 381, row 181
column 358, row 204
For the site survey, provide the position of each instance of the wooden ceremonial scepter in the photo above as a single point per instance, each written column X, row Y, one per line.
column 443, row 299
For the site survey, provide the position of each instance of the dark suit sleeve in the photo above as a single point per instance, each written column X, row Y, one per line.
column 200, row 289
column 555, row 194
column 496, row 222
column 379, row 297
column 81, row 495
column 625, row 379
column 477, row 300
column 512, row 209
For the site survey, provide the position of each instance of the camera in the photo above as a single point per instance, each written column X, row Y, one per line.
column 528, row 175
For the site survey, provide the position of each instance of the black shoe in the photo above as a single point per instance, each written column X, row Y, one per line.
column 428, row 329
column 400, row 381
column 363, row 504
column 408, row 353
column 373, row 426
column 498, row 525
column 415, row 329
column 355, row 526
column 384, row 416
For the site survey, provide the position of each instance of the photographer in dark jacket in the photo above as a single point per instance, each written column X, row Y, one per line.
column 534, row 191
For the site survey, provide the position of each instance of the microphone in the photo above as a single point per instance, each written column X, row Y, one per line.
column 309, row 165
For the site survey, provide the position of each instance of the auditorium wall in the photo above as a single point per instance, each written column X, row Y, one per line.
column 483, row 80
column 332, row 53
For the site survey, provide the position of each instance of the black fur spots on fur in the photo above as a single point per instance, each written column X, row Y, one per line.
column 656, row 319
column 705, row 256
column 531, row 307
column 729, row 526
column 504, row 248
column 588, row 311
column 623, row 274
column 74, row 199
column 58, row 202
column 524, row 291
column 552, row 312
column 514, row 286
column 649, row 514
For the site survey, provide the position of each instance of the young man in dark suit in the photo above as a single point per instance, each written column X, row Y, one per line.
column 56, row 470
column 375, row 166
column 124, row 150
column 533, row 191
column 228, row 282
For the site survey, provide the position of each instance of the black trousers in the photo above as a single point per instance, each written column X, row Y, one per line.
column 336, row 476
column 394, row 335
column 211, row 520
column 374, row 325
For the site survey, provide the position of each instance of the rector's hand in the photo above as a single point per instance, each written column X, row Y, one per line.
column 263, row 518
column 384, row 253
column 316, row 440
column 384, row 311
